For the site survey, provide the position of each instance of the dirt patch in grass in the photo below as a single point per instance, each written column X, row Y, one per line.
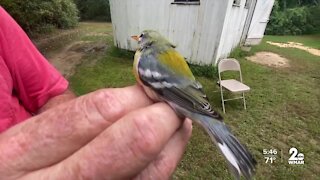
column 310, row 50
column 99, row 34
column 269, row 59
column 44, row 41
column 70, row 56
column 65, row 49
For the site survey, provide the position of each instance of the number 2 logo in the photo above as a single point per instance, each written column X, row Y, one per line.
column 295, row 155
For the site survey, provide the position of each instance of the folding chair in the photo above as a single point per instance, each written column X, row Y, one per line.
column 231, row 85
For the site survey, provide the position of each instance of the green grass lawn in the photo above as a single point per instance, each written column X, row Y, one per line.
column 283, row 109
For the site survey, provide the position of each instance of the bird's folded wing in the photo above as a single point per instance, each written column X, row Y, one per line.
column 173, row 87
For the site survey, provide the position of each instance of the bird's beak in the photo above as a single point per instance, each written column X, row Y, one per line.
column 135, row 38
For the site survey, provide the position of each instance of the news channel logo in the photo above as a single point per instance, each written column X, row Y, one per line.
column 296, row 157
column 272, row 155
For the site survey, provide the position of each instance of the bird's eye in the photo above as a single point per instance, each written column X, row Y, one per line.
column 141, row 35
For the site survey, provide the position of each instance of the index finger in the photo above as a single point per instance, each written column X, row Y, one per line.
column 55, row 134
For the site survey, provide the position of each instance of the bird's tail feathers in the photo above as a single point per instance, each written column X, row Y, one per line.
column 240, row 160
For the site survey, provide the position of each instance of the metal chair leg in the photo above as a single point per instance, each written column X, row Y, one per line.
column 224, row 110
column 244, row 101
column 222, row 100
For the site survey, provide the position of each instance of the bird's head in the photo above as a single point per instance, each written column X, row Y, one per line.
column 149, row 37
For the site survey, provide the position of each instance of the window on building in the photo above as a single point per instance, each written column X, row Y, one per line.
column 236, row 2
column 186, row 2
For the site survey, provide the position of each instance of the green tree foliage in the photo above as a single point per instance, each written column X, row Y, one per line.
column 294, row 17
column 39, row 15
column 98, row 10
column 284, row 4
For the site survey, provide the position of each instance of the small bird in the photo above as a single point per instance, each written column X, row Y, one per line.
column 165, row 76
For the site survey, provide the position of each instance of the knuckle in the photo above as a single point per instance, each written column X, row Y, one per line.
column 163, row 169
column 158, row 170
column 107, row 103
column 146, row 136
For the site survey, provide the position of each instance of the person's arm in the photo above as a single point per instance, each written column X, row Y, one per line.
column 34, row 80
column 57, row 100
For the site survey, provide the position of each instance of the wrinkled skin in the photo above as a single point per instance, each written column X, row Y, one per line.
column 107, row 134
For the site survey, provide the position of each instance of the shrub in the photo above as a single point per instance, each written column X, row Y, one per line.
column 204, row 71
column 35, row 15
column 98, row 10
column 66, row 13
column 314, row 18
column 293, row 21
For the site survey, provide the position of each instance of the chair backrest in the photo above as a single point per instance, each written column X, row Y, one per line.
column 228, row 65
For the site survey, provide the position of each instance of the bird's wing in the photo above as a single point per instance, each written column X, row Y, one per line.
column 172, row 85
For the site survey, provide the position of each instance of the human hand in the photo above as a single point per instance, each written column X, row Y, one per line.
column 107, row 134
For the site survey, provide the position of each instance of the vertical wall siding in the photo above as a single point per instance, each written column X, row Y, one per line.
column 259, row 21
column 131, row 17
column 232, row 29
column 182, row 27
column 203, row 33
column 209, row 30
column 126, row 16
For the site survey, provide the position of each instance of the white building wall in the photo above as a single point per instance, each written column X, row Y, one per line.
column 209, row 29
column 203, row 33
column 232, row 29
column 182, row 27
column 195, row 29
column 259, row 21
column 131, row 17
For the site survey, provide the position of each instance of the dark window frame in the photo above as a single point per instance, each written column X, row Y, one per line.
column 186, row 2
column 236, row 3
